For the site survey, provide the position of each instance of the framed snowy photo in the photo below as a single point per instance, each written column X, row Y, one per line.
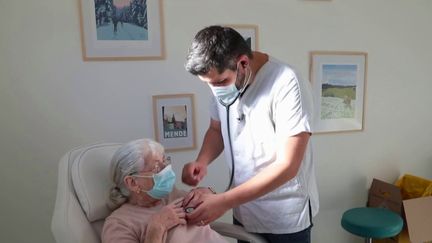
column 118, row 30
column 339, row 85
column 174, row 121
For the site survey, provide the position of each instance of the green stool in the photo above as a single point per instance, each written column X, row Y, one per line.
column 372, row 223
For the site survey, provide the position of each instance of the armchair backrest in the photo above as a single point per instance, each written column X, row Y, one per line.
column 83, row 183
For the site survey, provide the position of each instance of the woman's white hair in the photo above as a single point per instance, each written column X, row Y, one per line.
column 127, row 160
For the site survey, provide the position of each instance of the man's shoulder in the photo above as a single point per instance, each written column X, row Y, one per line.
column 279, row 67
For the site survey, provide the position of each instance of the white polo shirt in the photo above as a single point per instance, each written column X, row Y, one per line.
column 276, row 105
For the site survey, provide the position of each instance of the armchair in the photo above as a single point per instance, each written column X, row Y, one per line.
column 80, row 207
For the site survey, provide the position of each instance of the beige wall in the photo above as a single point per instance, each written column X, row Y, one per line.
column 51, row 101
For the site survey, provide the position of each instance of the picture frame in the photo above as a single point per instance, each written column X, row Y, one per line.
column 121, row 30
column 338, row 81
column 249, row 33
column 174, row 121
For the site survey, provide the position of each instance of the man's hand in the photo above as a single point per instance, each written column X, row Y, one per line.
column 211, row 207
column 193, row 173
column 193, row 198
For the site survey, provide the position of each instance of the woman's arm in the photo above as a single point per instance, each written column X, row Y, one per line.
column 116, row 231
column 155, row 233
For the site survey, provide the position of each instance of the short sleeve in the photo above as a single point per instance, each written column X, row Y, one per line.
column 292, row 107
column 213, row 108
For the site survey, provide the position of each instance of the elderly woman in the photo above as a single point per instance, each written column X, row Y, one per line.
column 148, row 207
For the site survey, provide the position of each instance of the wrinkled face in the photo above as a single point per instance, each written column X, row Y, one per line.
column 154, row 164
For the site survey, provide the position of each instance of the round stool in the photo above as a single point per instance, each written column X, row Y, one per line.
column 372, row 223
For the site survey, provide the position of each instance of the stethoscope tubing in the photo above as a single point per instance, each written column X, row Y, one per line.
column 231, row 150
column 227, row 108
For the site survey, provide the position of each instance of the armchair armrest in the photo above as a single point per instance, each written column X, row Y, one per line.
column 237, row 232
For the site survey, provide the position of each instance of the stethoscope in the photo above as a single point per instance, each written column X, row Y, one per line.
column 227, row 106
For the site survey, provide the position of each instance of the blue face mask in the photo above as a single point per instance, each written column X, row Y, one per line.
column 163, row 183
column 228, row 94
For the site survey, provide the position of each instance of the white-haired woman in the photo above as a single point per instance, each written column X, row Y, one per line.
column 148, row 207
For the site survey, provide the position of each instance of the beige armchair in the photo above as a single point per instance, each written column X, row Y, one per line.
column 83, row 183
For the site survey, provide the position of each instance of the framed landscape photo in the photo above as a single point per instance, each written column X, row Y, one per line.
column 338, row 85
column 249, row 33
column 118, row 30
column 174, row 121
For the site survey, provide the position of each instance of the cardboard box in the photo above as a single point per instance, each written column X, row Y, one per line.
column 400, row 238
column 417, row 212
column 385, row 195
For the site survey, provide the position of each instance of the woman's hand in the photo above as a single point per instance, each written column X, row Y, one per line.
column 170, row 215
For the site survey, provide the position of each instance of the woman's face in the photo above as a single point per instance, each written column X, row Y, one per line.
column 154, row 164
column 144, row 179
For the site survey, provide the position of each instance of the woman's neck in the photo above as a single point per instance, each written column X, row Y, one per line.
column 143, row 201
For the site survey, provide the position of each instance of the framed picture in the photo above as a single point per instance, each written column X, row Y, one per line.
column 174, row 121
column 339, row 85
column 121, row 30
column 249, row 33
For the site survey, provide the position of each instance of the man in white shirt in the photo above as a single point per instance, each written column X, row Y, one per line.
column 261, row 118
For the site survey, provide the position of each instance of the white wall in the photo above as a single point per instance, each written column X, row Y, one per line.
column 51, row 101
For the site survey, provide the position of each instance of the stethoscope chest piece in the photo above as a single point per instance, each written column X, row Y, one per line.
column 189, row 210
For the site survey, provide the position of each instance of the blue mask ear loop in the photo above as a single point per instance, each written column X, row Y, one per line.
column 145, row 176
column 246, row 85
column 241, row 91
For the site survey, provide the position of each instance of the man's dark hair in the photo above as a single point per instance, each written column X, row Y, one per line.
column 216, row 47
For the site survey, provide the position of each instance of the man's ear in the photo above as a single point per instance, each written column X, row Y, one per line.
column 244, row 60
